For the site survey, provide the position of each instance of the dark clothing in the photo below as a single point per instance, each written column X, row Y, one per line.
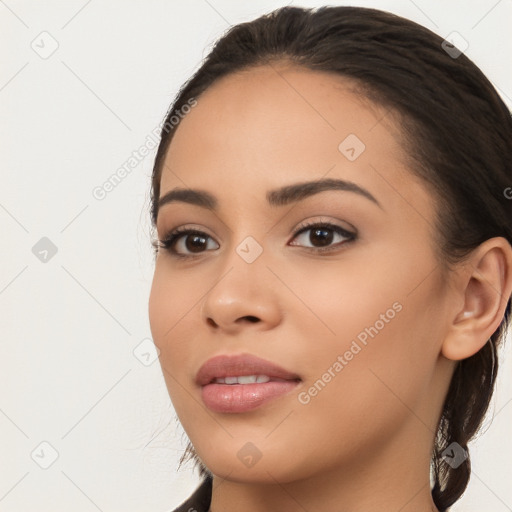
column 200, row 500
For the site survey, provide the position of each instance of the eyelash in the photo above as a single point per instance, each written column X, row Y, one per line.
column 170, row 240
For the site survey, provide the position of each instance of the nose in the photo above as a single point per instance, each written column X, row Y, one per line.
column 244, row 297
column 246, row 318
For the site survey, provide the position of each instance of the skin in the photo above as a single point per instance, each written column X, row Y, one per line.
column 363, row 443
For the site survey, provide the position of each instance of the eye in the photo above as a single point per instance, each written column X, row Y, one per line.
column 322, row 234
column 185, row 242
column 184, row 239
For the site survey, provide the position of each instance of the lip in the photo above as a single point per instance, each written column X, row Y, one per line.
column 241, row 364
column 236, row 398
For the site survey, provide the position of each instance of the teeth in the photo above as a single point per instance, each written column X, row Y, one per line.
column 243, row 379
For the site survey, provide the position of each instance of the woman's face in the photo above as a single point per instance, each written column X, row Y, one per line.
column 360, row 324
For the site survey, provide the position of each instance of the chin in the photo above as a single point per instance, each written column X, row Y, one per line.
column 230, row 465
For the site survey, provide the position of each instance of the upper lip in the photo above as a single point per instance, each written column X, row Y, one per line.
column 241, row 364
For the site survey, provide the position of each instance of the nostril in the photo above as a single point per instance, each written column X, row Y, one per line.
column 252, row 319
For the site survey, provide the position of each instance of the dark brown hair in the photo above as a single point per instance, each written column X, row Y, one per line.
column 457, row 133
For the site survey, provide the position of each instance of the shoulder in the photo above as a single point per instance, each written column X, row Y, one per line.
column 200, row 500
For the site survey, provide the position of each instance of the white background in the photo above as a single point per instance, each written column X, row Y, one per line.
column 69, row 326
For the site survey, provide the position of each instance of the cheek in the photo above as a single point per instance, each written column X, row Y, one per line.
column 167, row 314
column 172, row 298
column 371, row 342
column 384, row 372
column 160, row 308
column 171, row 303
column 338, row 301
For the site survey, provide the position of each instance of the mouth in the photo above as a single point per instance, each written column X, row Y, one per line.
column 241, row 383
column 246, row 379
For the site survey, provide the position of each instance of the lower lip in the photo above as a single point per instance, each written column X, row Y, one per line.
column 243, row 397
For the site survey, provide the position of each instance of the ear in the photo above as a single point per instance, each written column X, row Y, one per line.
column 486, row 285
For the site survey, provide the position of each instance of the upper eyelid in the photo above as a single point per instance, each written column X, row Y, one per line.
column 303, row 225
column 322, row 220
column 311, row 219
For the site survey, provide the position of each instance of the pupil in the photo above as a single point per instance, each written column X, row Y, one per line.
column 324, row 240
column 195, row 246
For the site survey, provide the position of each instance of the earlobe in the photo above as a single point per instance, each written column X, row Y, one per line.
column 486, row 288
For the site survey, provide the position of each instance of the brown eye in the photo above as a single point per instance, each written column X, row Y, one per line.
column 194, row 243
column 182, row 242
column 322, row 235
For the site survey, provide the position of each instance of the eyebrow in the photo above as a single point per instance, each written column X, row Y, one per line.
column 278, row 197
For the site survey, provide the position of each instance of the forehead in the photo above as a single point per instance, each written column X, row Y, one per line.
column 273, row 125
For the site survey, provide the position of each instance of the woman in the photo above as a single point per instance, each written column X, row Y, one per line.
column 334, row 264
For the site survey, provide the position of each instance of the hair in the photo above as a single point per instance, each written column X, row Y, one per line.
column 456, row 132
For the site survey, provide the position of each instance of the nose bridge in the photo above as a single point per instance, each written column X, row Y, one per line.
column 246, row 251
